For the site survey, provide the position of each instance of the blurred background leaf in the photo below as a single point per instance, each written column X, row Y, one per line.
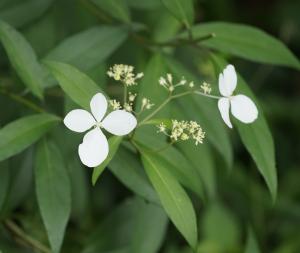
column 123, row 212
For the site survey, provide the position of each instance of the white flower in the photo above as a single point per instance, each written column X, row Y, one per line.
column 242, row 107
column 94, row 148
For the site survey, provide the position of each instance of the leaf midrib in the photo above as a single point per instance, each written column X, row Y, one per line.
column 171, row 194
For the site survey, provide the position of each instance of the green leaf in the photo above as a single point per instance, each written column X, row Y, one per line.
column 246, row 42
column 23, row 13
column 20, row 134
column 256, row 136
column 4, row 183
column 166, row 27
column 80, row 188
column 173, row 197
column 203, row 110
column 156, row 122
column 200, row 157
column 128, row 169
column 114, row 143
column 149, row 86
column 182, row 10
column 22, row 58
column 144, row 5
column 89, row 48
column 118, row 9
column 21, row 174
column 77, row 85
column 149, row 230
column 251, row 244
column 138, row 227
column 53, row 191
column 180, row 167
column 220, row 228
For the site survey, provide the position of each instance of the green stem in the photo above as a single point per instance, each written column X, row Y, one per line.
column 144, row 121
column 134, row 144
column 156, row 110
column 171, row 43
column 125, row 93
column 22, row 101
column 182, row 94
column 10, row 225
column 206, row 95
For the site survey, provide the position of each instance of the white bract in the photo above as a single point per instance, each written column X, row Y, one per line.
column 94, row 148
column 242, row 107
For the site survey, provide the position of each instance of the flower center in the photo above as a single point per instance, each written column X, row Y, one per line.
column 99, row 124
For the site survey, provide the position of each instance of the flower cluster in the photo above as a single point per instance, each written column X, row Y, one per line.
column 167, row 82
column 122, row 120
column 115, row 105
column 146, row 104
column 205, row 87
column 129, row 104
column 184, row 130
column 124, row 73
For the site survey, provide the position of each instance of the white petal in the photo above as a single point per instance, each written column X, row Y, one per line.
column 223, row 105
column 98, row 106
column 227, row 81
column 79, row 120
column 94, row 148
column 119, row 122
column 243, row 108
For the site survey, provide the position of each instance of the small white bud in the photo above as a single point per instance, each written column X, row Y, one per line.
column 170, row 78
column 139, row 75
column 162, row 81
column 171, row 88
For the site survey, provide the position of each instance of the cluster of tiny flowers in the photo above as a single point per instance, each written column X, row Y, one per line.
column 167, row 83
column 184, row 130
column 162, row 128
column 124, row 73
column 206, row 88
column 128, row 106
column 115, row 105
column 146, row 104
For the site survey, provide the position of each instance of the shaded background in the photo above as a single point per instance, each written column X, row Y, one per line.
column 242, row 196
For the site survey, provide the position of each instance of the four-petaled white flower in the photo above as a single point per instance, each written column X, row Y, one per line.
column 94, row 148
column 242, row 107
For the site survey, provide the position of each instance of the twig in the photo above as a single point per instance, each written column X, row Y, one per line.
column 156, row 110
column 21, row 235
column 206, row 95
column 22, row 101
column 173, row 97
column 171, row 43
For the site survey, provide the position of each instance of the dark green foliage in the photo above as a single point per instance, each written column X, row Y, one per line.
column 149, row 196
